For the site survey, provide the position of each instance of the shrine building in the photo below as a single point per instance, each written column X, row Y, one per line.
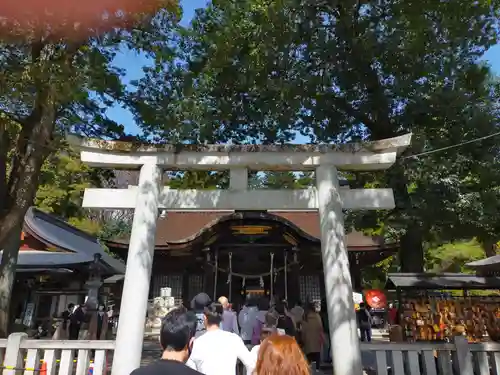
column 54, row 265
column 197, row 251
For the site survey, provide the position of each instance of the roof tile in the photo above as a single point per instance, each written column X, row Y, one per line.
column 179, row 226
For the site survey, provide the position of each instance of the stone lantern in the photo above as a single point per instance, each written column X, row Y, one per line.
column 93, row 283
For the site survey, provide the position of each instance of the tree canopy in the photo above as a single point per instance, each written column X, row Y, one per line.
column 63, row 181
column 249, row 71
column 58, row 76
column 52, row 83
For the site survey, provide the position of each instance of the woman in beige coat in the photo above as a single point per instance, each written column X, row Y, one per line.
column 312, row 334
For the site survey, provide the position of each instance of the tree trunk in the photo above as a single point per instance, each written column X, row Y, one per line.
column 489, row 247
column 411, row 251
column 29, row 153
column 8, row 276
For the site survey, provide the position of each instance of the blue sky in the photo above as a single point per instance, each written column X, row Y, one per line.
column 134, row 62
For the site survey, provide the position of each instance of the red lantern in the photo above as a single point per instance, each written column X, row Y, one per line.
column 376, row 299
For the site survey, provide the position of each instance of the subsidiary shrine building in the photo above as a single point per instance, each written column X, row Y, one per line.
column 234, row 253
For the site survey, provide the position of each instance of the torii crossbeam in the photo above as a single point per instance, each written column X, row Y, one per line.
column 328, row 198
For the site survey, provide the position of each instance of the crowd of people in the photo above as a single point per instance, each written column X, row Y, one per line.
column 262, row 338
column 78, row 322
column 210, row 337
column 266, row 338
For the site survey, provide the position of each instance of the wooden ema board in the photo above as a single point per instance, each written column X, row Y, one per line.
column 435, row 319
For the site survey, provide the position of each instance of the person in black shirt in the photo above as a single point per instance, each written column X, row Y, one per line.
column 364, row 322
column 66, row 315
column 75, row 322
column 284, row 322
column 177, row 334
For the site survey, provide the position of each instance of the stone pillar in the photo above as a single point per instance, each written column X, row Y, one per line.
column 92, row 301
column 134, row 304
column 338, row 288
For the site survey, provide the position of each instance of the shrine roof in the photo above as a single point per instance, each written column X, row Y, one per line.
column 492, row 262
column 184, row 227
column 131, row 145
column 451, row 281
column 63, row 244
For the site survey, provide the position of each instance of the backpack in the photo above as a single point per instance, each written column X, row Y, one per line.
column 365, row 319
column 256, row 332
column 286, row 323
column 200, row 325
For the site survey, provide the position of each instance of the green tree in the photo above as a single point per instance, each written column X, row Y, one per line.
column 287, row 180
column 452, row 257
column 54, row 80
column 198, row 180
column 479, row 212
column 250, row 71
column 256, row 180
column 63, row 180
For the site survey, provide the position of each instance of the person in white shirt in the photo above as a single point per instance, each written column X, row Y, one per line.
column 247, row 318
column 217, row 351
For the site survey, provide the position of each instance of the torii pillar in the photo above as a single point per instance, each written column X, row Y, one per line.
column 148, row 197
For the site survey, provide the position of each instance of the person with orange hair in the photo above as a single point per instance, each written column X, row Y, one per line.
column 280, row 354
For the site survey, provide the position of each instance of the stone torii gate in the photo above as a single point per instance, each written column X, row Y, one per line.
column 149, row 197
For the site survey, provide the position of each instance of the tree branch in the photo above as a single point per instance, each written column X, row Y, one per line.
column 380, row 124
column 349, row 110
column 4, row 150
column 10, row 116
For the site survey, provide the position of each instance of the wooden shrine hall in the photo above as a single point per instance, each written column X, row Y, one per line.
column 235, row 253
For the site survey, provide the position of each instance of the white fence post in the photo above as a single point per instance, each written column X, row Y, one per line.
column 13, row 361
column 462, row 361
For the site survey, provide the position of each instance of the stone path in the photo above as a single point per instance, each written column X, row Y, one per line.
column 150, row 351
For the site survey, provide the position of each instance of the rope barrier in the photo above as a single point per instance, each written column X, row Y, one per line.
column 286, row 276
column 21, row 368
column 271, row 272
column 216, row 274
column 43, row 368
column 230, row 274
column 243, row 276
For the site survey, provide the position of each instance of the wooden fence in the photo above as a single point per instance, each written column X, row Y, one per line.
column 23, row 356
column 457, row 358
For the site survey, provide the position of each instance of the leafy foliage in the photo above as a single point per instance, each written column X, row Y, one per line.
column 287, row 180
column 52, row 82
column 198, row 180
column 63, row 181
column 453, row 257
column 58, row 76
column 375, row 276
column 252, row 71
